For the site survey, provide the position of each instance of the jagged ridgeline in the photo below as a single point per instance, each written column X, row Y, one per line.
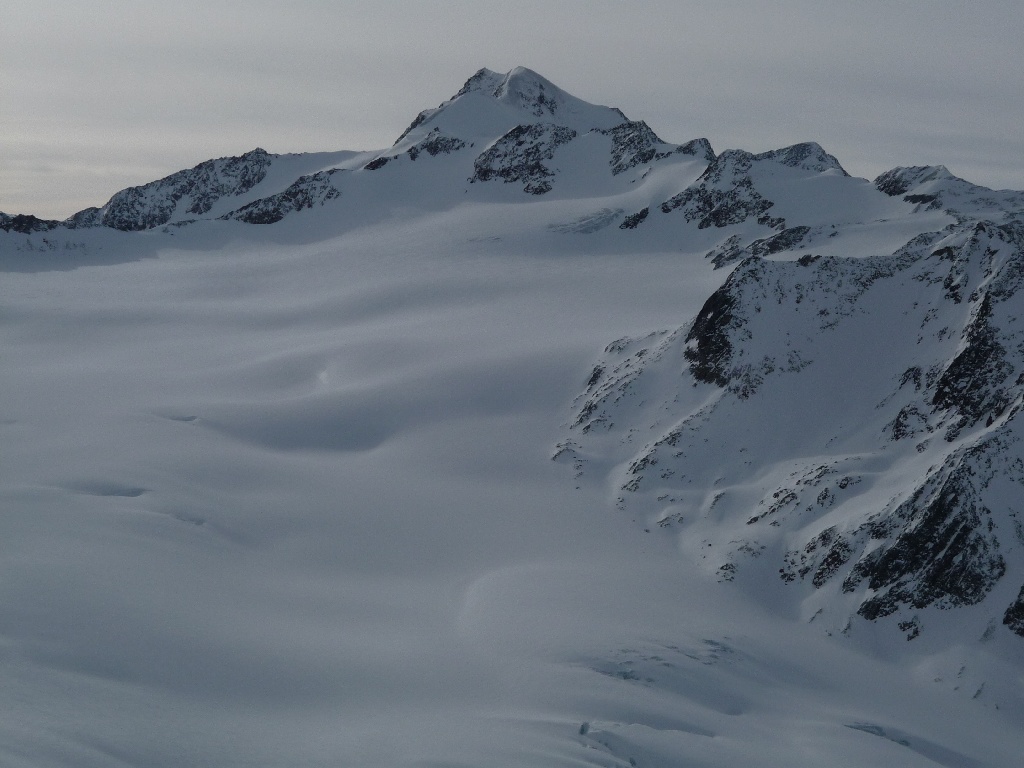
column 516, row 131
column 849, row 427
column 841, row 417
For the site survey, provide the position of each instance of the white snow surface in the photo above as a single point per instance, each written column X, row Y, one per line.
column 284, row 494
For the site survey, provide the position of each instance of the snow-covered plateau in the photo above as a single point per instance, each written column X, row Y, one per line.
column 531, row 440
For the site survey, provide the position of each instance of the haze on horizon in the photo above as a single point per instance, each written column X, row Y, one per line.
column 110, row 93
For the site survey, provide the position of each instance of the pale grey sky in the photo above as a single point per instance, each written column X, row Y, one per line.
column 96, row 95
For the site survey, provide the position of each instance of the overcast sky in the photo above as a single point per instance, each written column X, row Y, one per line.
column 97, row 95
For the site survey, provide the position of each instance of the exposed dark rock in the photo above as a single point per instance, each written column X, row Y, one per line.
column 153, row 204
column 709, row 349
column 633, row 144
column 945, row 554
column 723, row 195
column 416, row 123
column 697, row 148
column 1014, row 616
column 634, row 220
column 520, row 155
column 912, row 627
column 937, row 545
column 435, row 143
column 306, row 192
column 972, row 383
column 837, row 556
column 377, row 163
column 934, row 187
column 90, row 217
column 898, row 180
column 785, row 240
column 483, row 80
column 526, row 90
column 25, row 223
column 908, row 422
column 808, row 155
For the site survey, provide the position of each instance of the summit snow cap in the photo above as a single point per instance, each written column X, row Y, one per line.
column 490, row 104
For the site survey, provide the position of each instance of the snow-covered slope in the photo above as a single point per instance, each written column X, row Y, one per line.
column 276, row 483
column 862, row 415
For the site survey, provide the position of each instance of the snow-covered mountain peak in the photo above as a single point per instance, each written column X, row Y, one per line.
column 934, row 187
column 901, row 180
column 808, row 155
column 525, row 90
column 486, row 80
column 490, row 104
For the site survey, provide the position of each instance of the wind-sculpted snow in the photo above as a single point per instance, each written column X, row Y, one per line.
column 800, row 390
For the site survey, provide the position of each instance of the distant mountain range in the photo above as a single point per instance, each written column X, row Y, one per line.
column 841, row 417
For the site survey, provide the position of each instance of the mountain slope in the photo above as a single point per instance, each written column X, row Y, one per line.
column 277, row 431
column 845, row 425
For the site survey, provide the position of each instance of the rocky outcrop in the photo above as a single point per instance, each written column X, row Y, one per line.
column 733, row 250
column 192, row 191
column 635, row 144
column 708, row 343
column 809, row 155
column 634, row 220
column 939, row 547
column 764, row 427
column 521, row 156
column 933, row 187
column 434, row 143
column 724, row 195
column 25, row 224
column 306, row 192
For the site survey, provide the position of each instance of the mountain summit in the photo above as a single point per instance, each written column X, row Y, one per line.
column 277, row 435
column 491, row 104
column 812, row 413
column 520, row 131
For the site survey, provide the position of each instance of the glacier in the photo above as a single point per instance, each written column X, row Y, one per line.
column 277, row 434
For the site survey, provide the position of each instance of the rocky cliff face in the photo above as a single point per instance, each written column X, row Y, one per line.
column 24, row 223
column 850, row 425
column 727, row 192
column 305, row 192
column 522, row 156
column 187, row 193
